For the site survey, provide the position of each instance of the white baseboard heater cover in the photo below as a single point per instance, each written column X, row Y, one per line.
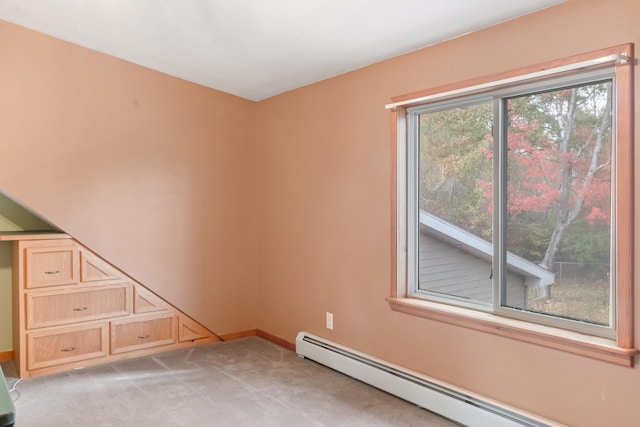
column 451, row 402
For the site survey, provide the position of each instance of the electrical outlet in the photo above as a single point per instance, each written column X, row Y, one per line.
column 329, row 320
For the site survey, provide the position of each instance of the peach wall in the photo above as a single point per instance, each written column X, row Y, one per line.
column 153, row 173
column 324, row 198
column 270, row 214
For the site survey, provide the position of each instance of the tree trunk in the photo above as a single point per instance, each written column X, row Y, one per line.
column 567, row 214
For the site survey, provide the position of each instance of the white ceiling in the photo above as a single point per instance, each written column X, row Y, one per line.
column 259, row 48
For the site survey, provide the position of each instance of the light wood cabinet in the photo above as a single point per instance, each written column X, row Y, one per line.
column 129, row 335
column 94, row 269
column 65, row 345
column 51, row 265
column 145, row 302
column 74, row 309
column 69, row 306
column 189, row 330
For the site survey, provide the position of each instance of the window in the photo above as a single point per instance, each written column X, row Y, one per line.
column 513, row 201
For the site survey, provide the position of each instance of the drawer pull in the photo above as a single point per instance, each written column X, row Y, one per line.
column 143, row 336
column 67, row 349
column 80, row 309
column 52, row 272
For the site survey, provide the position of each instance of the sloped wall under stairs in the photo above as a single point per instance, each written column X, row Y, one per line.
column 153, row 173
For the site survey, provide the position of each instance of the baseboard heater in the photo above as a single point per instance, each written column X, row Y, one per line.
column 450, row 402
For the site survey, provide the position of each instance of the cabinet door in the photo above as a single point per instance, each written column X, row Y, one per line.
column 145, row 302
column 51, row 266
column 130, row 335
column 48, row 348
column 69, row 306
column 94, row 269
column 190, row 330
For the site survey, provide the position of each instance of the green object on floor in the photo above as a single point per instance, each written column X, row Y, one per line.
column 7, row 410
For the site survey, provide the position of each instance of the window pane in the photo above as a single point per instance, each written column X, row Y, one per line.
column 455, row 190
column 559, row 202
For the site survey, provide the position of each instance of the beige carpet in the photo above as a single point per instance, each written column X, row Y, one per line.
column 246, row 382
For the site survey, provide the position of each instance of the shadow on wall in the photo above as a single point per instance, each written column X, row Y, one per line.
column 14, row 217
column 6, row 337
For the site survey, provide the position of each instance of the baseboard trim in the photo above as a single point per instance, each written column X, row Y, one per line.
column 277, row 340
column 237, row 335
column 259, row 333
column 6, row 355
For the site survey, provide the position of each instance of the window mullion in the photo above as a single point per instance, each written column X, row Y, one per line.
column 499, row 202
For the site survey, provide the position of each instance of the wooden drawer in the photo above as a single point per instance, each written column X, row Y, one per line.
column 69, row 306
column 51, row 266
column 65, row 345
column 137, row 334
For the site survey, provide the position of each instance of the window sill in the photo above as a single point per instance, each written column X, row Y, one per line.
column 568, row 341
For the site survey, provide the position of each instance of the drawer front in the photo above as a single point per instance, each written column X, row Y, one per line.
column 66, row 345
column 130, row 335
column 51, row 266
column 69, row 306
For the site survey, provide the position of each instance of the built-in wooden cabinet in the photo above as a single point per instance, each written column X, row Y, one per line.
column 74, row 309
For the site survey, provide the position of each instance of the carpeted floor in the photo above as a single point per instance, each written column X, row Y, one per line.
column 246, row 382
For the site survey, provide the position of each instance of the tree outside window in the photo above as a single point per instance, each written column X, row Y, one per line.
column 557, row 154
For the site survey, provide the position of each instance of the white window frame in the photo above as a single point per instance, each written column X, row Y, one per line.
column 498, row 98
column 615, row 343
